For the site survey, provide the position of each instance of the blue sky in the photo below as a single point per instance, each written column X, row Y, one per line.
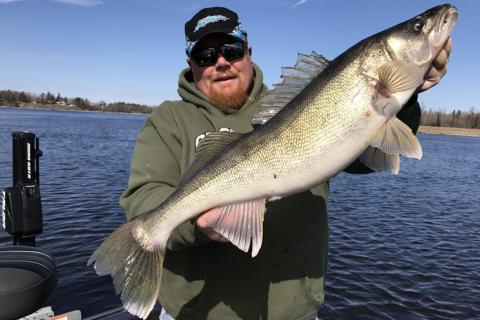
column 125, row 50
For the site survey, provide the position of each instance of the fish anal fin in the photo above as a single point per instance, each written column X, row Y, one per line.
column 395, row 137
column 242, row 224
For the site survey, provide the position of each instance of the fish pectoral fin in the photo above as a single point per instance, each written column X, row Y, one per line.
column 398, row 76
column 380, row 161
column 396, row 137
column 396, row 83
column 242, row 223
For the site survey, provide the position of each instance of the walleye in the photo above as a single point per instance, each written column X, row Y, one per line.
column 330, row 116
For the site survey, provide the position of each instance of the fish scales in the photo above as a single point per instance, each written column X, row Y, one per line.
column 311, row 127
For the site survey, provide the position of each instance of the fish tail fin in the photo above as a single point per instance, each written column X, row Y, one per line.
column 136, row 269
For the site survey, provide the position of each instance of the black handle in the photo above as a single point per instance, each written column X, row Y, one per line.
column 22, row 209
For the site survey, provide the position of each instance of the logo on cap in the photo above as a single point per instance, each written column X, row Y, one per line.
column 210, row 19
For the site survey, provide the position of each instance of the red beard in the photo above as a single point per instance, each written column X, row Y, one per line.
column 232, row 100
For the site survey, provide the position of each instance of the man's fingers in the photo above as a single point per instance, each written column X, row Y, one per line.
column 441, row 60
column 438, row 68
column 217, row 237
column 433, row 78
column 206, row 222
column 436, row 74
column 448, row 46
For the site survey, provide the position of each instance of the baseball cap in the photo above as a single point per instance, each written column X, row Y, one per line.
column 212, row 20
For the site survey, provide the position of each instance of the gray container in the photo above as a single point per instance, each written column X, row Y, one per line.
column 27, row 277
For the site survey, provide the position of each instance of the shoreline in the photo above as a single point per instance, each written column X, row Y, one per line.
column 450, row 131
column 53, row 107
column 422, row 129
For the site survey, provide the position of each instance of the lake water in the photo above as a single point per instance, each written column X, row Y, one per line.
column 401, row 247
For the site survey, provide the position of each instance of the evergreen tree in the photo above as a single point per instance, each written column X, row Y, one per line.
column 50, row 97
column 23, row 97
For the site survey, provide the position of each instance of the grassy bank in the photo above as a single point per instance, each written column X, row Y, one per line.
column 450, row 131
column 47, row 106
column 117, row 107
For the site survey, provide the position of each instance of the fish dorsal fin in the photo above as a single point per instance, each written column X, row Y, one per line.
column 208, row 146
column 295, row 79
column 380, row 161
column 395, row 137
column 242, row 224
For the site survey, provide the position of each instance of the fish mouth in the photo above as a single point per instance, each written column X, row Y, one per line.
column 448, row 17
column 443, row 22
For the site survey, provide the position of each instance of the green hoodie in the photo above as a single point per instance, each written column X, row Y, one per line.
column 204, row 279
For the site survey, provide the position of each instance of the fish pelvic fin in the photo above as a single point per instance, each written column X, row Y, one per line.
column 396, row 137
column 242, row 224
column 380, row 161
column 136, row 269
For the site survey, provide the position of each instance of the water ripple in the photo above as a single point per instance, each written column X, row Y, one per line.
column 401, row 247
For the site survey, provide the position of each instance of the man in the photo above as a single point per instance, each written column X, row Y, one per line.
column 204, row 276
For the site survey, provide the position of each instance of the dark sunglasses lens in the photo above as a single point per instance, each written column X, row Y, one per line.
column 230, row 51
column 205, row 57
column 233, row 51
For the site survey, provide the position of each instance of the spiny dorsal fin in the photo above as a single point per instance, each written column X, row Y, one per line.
column 294, row 80
column 209, row 145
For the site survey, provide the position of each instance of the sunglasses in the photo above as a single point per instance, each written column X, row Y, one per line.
column 208, row 56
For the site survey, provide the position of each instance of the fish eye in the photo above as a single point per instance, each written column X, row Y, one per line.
column 418, row 25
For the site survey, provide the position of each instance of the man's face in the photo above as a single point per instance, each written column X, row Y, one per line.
column 226, row 83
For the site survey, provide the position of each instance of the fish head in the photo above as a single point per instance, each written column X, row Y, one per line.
column 399, row 57
column 419, row 40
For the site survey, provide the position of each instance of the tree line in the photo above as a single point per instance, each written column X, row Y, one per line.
column 460, row 119
column 48, row 99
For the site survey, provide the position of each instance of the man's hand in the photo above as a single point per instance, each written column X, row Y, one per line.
column 205, row 223
column 438, row 68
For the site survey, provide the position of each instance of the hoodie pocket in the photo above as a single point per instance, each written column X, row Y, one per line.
column 314, row 289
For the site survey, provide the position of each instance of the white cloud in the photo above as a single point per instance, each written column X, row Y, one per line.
column 299, row 3
column 81, row 3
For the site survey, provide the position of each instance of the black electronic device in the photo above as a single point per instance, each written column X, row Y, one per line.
column 21, row 205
